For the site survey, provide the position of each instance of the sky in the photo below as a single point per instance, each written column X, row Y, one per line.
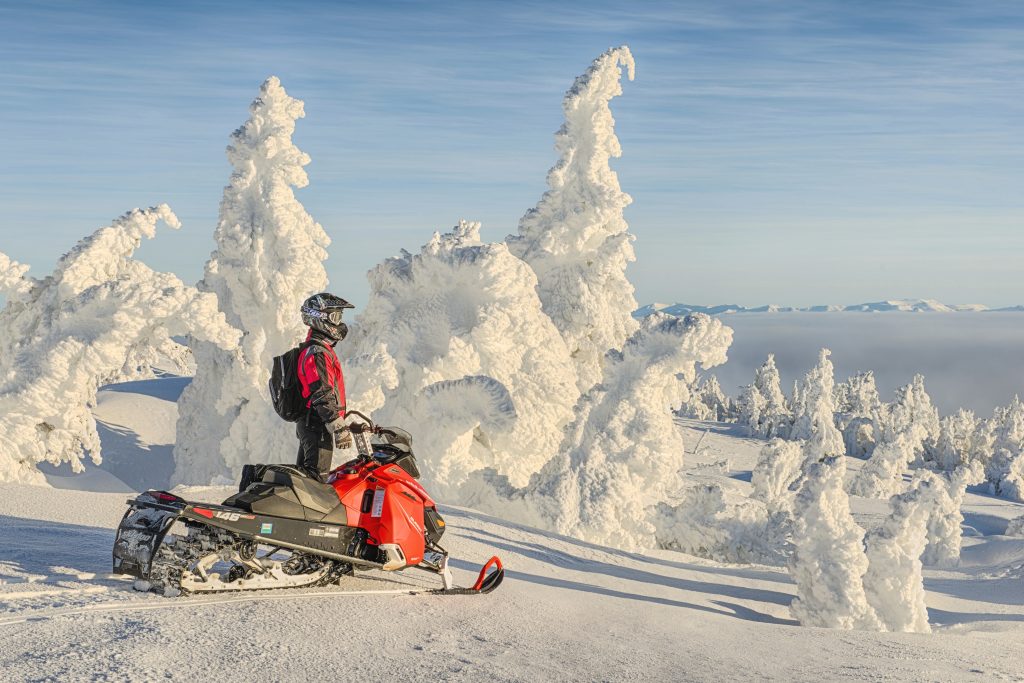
column 796, row 153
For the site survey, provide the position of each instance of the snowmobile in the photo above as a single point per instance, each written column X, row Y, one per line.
column 286, row 529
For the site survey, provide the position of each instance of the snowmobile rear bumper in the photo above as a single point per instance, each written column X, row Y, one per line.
column 142, row 530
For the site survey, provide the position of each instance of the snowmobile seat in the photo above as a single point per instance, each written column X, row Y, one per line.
column 286, row 491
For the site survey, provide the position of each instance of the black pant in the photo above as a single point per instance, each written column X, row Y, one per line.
column 316, row 446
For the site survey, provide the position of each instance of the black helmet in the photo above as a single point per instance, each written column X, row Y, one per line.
column 323, row 312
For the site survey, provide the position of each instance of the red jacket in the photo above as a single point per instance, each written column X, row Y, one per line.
column 321, row 379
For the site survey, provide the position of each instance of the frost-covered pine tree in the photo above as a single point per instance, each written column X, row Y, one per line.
column 94, row 320
column 268, row 260
column 623, row 446
column 953, row 446
column 442, row 331
column 857, row 407
column 775, row 416
column 576, row 239
column 882, row 475
column 828, row 562
column 750, row 408
column 1005, row 469
column 779, row 467
column 912, row 406
column 894, row 582
column 814, row 416
column 945, row 535
column 713, row 522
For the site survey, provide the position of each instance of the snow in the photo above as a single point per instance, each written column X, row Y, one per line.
column 533, row 394
column 568, row 610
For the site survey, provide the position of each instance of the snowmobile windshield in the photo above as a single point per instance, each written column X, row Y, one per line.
column 396, row 437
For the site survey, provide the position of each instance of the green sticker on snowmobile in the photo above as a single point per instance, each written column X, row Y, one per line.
column 266, row 528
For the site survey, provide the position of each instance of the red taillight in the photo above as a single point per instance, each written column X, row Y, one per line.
column 165, row 497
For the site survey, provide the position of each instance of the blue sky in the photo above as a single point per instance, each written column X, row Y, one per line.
column 787, row 152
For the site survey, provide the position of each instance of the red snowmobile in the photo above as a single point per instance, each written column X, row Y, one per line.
column 285, row 529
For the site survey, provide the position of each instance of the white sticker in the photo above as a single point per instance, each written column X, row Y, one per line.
column 378, row 503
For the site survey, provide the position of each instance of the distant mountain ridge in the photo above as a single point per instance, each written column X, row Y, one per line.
column 887, row 306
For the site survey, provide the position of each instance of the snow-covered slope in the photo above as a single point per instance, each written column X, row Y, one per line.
column 568, row 610
column 887, row 306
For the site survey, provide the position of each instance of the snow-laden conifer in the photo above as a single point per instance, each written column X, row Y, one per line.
column 750, row 409
column 814, row 415
column 828, row 562
column 857, row 407
column 882, row 475
column 1005, row 468
column 460, row 309
column 894, row 583
column 912, row 407
column 99, row 317
column 952, row 448
column 576, row 239
column 945, row 535
column 778, row 468
column 710, row 521
column 623, row 446
column 268, row 259
column 775, row 416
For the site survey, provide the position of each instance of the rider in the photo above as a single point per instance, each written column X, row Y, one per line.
column 323, row 427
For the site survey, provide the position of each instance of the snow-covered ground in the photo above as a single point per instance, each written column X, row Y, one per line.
column 568, row 610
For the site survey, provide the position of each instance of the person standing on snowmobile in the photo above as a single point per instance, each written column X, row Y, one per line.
column 323, row 386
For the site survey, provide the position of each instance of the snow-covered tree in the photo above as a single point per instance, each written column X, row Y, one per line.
column 750, row 408
column 882, row 475
column 709, row 521
column 576, row 239
column 912, row 407
column 462, row 309
column 954, row 443
column 778, row 468
column 857, row 407
column 707, row 401
column 828, row 562
column 894, row 583
column 1005, row 469
column 623, row 446
column 268, row 259
column 945, row 535
column 775, row 415
column 814, row 415
column 98, row 317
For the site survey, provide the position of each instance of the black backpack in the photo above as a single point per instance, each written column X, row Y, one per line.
column 285, row 388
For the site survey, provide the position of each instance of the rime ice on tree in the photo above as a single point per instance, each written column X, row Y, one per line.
column 94, row 320
column 269, row 258
column 576, row 239
column 454, row 346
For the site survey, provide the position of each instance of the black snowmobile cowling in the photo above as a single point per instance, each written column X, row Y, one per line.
column 286, row 529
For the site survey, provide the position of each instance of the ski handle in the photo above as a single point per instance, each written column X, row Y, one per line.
column 494, row 563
